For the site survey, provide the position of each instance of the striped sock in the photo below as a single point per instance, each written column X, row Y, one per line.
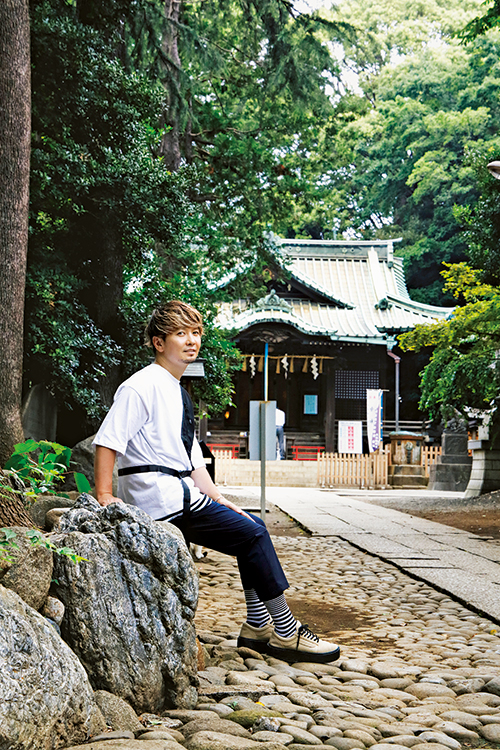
column 257, row 614
column 285, row 623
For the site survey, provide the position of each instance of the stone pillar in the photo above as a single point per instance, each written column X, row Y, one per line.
column 485, row 472
column 453, row 469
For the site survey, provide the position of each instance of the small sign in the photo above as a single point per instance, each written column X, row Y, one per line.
column 350, row 436
column 311, row 404
column 195, row 369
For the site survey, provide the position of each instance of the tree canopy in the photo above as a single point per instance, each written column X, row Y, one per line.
column 395, row 150
column 117, row 220
column 170, row 139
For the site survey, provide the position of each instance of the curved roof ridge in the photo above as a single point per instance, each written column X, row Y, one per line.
column 422, row 306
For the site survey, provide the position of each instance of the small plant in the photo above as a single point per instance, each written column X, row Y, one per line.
column 42, row 464
column 37, row 539
column 7, row 544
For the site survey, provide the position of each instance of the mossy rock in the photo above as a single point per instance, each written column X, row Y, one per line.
column 247, row 717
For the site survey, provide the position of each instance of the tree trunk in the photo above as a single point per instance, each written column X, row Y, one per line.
column 170, row 147
column 13, row 512
column 15, row 113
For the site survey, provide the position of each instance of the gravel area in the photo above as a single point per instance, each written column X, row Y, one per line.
column 416, row 668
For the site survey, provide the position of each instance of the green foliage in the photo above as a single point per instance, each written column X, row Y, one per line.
column 82, row 483
column 481, row 221
column 8, row 544
column 108, row 218
column 100, row 200
column 481, row 24
column 464, row 369
column 39, row 465
column 395, row 154
column 38, row 539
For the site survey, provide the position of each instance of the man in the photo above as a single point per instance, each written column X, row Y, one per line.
column 280, row 434
column 150, row 429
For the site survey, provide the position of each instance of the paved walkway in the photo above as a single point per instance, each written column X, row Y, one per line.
column 457, row 562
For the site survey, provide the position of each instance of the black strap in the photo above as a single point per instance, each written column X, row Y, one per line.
column 187, row 437
column 143, row 469
column 187, row 429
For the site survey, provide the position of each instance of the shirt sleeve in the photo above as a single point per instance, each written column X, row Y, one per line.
column 126, row 417
column 197, row 458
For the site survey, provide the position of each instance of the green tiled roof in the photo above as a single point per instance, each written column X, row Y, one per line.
column 362, row 290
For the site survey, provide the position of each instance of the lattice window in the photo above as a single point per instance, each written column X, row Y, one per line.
column 353, row 383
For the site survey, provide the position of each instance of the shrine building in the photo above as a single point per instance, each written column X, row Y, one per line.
column 330, row 329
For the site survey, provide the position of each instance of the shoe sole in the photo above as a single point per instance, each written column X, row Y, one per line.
column 259, row 646
column 291, row 655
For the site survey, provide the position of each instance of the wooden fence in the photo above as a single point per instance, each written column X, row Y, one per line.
column 430, row 455
column 332, row 469
column 224, row 463
column 354, row 469
column 359, row 470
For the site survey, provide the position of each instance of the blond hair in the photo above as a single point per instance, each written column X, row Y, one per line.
column 171, row 317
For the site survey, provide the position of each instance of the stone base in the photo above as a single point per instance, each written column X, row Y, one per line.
column 485, row 473
column 449, row 477
column 407, row 476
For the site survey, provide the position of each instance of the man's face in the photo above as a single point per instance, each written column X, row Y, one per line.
column 178, row 349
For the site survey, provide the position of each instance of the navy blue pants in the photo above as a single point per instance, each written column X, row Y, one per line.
column 224, row 530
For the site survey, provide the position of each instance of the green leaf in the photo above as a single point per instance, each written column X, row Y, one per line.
column 9, row 534
column 26, row 447
column 82, row 483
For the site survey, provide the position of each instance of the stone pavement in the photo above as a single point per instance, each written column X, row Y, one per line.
column 457, row 562
column 417, row 669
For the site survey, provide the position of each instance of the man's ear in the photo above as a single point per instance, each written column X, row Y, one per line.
column 158, row 343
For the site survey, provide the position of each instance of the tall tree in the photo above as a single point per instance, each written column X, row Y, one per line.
column 14, row 194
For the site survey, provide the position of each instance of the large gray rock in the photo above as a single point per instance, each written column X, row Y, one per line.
column 30, row 571
column 38, row 510
column 117, row 712
column 130, row 606
column 46, row 698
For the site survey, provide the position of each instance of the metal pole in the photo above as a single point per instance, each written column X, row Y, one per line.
column 396, row 375
column 262, row 426
column 266, row 371
column 397, row 360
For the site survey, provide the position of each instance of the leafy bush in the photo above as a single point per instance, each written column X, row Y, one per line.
column 41, row 465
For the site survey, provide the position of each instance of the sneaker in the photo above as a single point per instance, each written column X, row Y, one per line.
column 255, row 638
column 303, row 645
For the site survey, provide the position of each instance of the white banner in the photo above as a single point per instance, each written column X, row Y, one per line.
column 374, row 417
column 350, row 436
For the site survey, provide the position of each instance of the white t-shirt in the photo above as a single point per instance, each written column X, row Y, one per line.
column 143, row 426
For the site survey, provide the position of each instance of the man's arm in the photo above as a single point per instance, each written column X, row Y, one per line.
column 203, row 481
column 103, row 473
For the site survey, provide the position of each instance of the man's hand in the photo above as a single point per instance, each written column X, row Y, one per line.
column 223, row 501
column 107, row 499
column 104, row 463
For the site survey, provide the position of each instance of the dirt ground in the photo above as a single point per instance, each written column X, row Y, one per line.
column 479, row 515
